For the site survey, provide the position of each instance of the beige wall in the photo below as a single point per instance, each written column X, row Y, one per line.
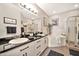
column 11, row 11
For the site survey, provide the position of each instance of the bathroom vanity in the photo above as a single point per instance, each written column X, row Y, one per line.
column 29, row 48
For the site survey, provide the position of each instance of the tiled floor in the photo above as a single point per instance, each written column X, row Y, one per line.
column 63, row 50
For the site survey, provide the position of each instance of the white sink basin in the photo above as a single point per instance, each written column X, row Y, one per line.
column 40, row 34
column 18, row 40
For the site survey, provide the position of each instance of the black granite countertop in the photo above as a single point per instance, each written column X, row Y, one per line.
column 29, row 41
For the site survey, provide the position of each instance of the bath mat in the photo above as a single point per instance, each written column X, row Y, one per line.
column 74, row 52
column 54, row 53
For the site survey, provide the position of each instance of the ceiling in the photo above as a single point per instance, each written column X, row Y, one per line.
column 53, row 8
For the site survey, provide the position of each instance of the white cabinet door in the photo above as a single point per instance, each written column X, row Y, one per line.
column 31, row 49
column 44, row 43
column 38, row 44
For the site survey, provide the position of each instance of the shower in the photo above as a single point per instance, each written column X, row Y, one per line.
column 73, row 30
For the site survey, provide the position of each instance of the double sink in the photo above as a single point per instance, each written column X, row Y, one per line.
column 27, row 38
column 18, row 41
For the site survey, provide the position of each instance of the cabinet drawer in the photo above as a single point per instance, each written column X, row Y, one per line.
column 38, row 42
column 28, row 50
column 27, row 47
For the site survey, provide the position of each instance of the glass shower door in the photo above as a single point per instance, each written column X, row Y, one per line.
column 72, row 30
column 77, row 34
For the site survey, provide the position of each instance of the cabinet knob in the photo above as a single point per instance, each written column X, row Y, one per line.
column 25, row 54
column 45, row 41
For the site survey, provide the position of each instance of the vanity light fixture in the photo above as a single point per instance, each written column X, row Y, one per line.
column 30, row 8
column 24, row 6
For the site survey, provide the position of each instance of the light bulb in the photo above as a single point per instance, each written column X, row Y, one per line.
column 54, row 12
column 76, row 5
